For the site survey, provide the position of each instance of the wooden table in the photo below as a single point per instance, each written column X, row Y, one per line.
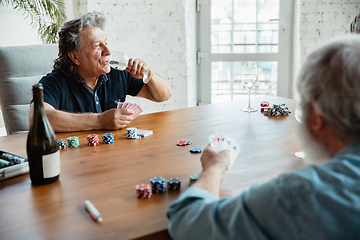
column 107, row 174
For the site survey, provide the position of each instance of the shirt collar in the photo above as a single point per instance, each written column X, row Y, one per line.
column 352, row 148
column 103, row 78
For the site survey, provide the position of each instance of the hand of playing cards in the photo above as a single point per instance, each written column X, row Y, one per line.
column 136, row 108
column 220, row 142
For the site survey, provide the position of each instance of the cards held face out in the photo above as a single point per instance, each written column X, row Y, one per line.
column 136, row 108
column 220, row 141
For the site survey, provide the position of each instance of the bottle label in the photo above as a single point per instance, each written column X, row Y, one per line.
column 51, row 164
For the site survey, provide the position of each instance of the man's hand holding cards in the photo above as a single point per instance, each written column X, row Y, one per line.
column 220, row 141
column 133, row 106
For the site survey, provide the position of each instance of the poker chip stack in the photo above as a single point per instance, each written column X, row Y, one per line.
column 93, row 139
column 264, row 106
column 143, row 190
column 108, row 138
column 158, row 185
column 61, row 144
column 4, row 163
column 73, row 141
column 277, row 110
column 131, row 133
column 193, row 179
column 12, row 158
column 173, row 184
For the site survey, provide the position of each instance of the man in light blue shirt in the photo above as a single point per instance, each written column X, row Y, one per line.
column 319, row 201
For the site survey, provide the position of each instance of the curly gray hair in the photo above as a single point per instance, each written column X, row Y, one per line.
column 70, row 39
column 355, row 24
column 330, row 82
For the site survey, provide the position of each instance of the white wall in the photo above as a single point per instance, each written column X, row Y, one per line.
column 16, row 31
column 317, row 21
column 320, row 20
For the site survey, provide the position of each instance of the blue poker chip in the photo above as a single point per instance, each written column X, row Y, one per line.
column 188, row 142
column 157, row 180
column 196, row 150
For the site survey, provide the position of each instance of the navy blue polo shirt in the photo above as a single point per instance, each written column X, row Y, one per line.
column 73, row 95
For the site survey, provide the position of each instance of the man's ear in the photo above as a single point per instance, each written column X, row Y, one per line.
column 74, row 56
column 316, row 121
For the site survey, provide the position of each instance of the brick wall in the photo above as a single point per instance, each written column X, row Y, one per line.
column 317, row 21
column 320, row 20
column 161, row 33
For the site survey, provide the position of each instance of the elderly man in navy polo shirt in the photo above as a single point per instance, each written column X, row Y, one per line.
column 82, row 91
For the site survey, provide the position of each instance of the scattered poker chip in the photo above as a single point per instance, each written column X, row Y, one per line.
column 143, row 190
column 183, row 143
column 193, row 179
column 173, row 184
column 73, row 141
column 108, row 138
column 61, row 144
column 264, row 104
column 196, row 150
column 158, row 185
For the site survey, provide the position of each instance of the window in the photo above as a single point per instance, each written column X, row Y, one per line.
column 235, row 31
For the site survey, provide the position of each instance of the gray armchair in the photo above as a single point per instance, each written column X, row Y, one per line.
column 20, row 68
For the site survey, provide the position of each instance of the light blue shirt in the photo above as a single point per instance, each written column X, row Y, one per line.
column 316, row 202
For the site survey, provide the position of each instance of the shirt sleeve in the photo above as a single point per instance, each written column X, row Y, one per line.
column 256, row 214
column 51, row 91
column 134, row 84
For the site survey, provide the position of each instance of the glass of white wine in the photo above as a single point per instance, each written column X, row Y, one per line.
column 120, row 61
column 249, row 78
column 298, row 117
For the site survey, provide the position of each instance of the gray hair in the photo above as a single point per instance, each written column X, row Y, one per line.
column 70, row 39
column 330, row 82
column 355, row 24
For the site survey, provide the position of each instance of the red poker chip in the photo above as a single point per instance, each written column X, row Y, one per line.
column 143, row 191
column 182, row 143
column 264, row 104
column 263, row 109
column 93, row 139
column 142, row 186
column 93, row 144
column 92, row 136
column 146, row 195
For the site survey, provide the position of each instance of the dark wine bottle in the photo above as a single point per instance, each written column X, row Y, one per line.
column 42, row 149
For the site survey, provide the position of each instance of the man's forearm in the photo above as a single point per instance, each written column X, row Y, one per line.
column 158, row 88
column 210, row 180
column 70, row 122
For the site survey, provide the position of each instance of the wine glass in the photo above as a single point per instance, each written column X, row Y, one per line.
column 249, row 78
column 298, row 117
column 120, row 61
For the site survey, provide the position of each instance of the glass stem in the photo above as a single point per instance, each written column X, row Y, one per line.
column 249, row 98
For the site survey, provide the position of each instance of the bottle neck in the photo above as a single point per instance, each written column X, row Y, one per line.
column 38, row 101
